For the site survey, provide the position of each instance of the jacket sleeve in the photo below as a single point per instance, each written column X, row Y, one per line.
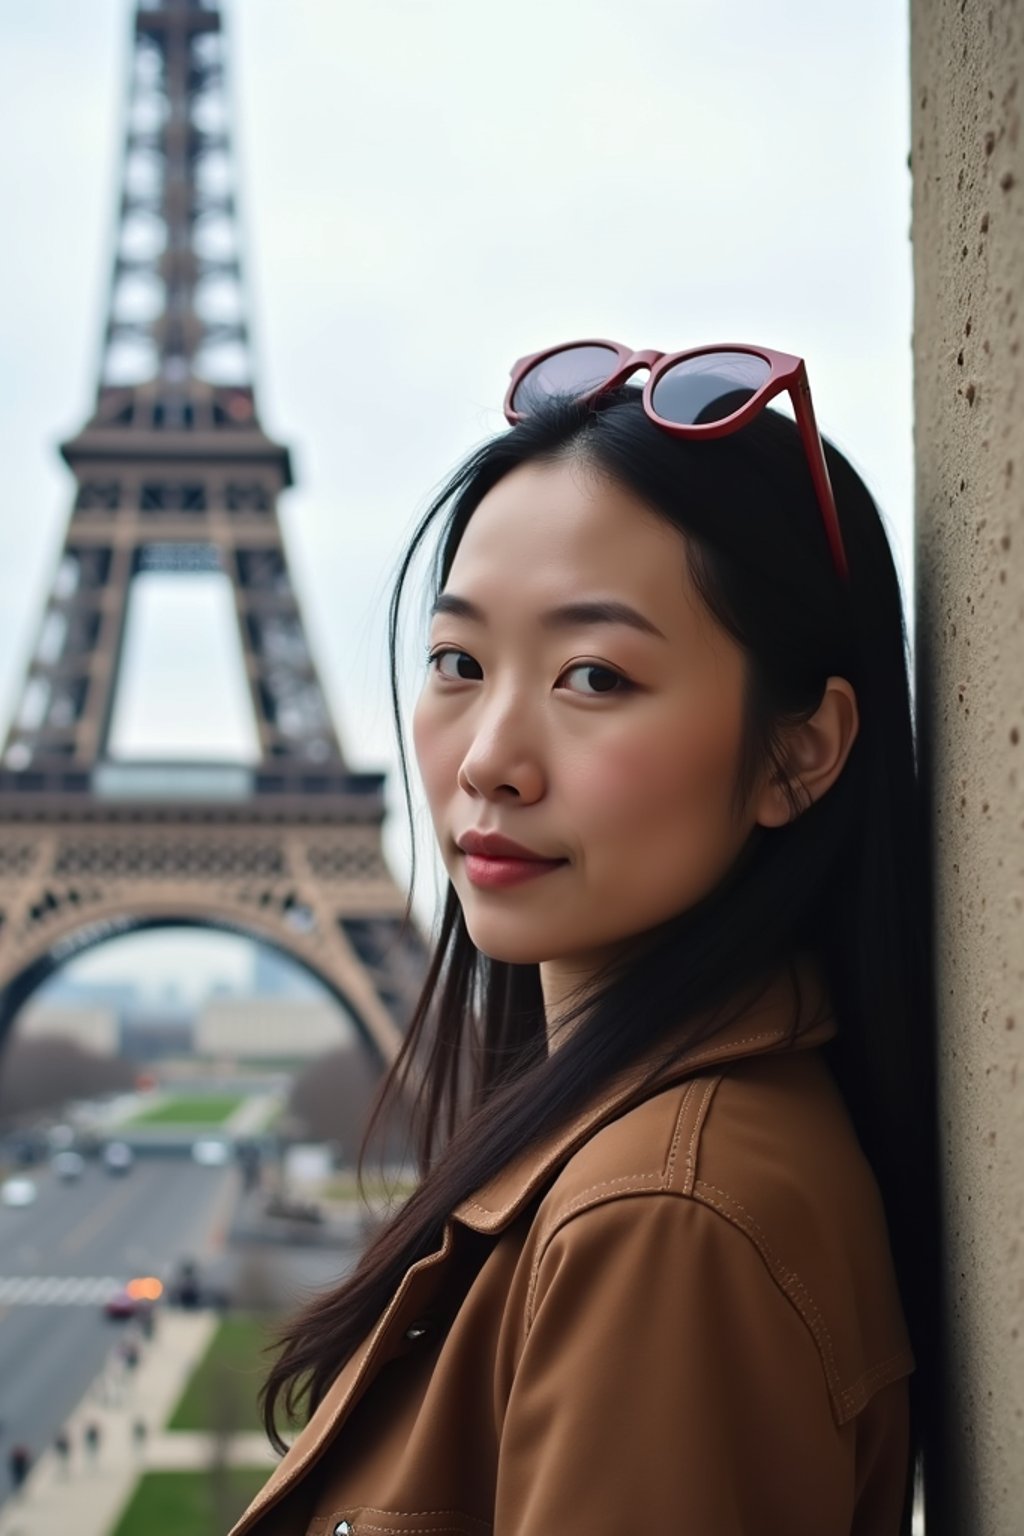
column 667, row 1385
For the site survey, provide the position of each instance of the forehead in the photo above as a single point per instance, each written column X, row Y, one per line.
column 549, row 532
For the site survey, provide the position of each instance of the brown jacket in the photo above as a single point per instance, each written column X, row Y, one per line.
column 676, row 1317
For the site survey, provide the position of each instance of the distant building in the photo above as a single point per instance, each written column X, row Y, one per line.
column 152, row 1034
column 271, row 1027
column 94, row 1029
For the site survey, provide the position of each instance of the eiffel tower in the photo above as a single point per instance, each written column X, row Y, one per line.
column 175, row 474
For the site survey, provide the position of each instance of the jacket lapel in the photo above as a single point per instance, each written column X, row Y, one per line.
column 791, row 1012
column 349, row 1385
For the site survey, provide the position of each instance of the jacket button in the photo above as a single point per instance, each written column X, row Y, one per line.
column 343, row 1529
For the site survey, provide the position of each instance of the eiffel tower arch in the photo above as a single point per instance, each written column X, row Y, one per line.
column 174, row 473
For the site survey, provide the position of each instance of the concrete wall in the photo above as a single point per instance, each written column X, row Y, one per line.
column 967, row 77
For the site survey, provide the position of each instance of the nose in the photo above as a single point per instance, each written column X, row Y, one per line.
column 503, row 760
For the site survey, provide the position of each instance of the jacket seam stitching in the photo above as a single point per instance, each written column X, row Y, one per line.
column 415, row 1514
column 788, row 1279
column 632, row 1183
column 700, row 1060
column 427, row 1530
column 876, row 1374
column 698, row 1126
column 669, row 1167
column 466, row 1522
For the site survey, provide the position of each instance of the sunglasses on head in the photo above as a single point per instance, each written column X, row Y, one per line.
column 703, row 392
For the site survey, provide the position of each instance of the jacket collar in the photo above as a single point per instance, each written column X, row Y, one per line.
column 792, row 1011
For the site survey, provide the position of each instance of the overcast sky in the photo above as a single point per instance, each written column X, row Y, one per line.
column 429, row 189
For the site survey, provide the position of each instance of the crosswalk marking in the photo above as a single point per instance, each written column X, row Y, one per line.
column 56, row 1290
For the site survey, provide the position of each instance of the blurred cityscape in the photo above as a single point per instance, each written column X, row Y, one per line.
column 175, row 1176
column 178, row 1143
column 283, row 1010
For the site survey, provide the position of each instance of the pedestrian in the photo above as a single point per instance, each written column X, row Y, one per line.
column 62, row 1450
column 139, row 1433
column 129, row 1359
column 19, row 1461
column 91, row 1437
column 669, row 1266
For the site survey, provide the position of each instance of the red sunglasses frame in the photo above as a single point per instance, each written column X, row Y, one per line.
column 787, row 373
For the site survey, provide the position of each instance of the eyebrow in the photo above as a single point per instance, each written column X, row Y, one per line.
column 565, row 616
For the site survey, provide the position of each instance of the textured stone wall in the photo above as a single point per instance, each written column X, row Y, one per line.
column 967, row 156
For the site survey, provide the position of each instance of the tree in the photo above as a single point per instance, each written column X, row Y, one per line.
column 332, row 1099
column 45, row 1074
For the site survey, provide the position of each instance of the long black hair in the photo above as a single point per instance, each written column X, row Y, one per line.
column 847, row 877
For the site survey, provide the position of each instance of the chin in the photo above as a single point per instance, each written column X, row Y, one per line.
column 495, row 940
column 512, row 952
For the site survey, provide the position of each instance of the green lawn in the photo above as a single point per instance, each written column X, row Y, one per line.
column 199, row 1503
column 198, row 1109
column 223, row 1388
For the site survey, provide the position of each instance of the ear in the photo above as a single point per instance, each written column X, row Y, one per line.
column 816, row 753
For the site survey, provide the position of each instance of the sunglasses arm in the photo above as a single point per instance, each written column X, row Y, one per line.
column 800, row 392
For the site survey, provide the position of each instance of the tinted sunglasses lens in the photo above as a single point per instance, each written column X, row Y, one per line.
column 572, row 372
column 709, row 387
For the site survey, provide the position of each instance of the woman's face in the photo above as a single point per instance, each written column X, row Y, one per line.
column 606, row 744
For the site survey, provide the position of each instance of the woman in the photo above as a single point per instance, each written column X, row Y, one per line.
column 669, row 1265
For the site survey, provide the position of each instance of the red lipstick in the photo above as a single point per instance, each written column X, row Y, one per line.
column 493, row 861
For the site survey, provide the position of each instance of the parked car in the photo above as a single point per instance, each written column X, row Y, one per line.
column 121, row 1304
column 68, row 1166
column 134, row 1298
column 18, row 1191
column 211, row 1153
column 118, row 1157
column 27, row 1147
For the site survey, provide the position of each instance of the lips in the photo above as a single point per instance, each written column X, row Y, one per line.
column 495, row 863
column 491, row 845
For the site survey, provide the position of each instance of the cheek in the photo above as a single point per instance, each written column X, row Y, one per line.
column 659, row 832
column 436, row 754
column 658, row 785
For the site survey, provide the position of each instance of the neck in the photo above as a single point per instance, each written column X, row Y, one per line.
column 561, row 985
column 565, row 984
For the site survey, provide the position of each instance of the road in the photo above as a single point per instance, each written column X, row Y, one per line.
column 62, row 1256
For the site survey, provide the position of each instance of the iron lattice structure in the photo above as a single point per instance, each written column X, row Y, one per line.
column 174, row 473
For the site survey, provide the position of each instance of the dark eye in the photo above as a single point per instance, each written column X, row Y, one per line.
column 599, row 679
column 455, row 674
